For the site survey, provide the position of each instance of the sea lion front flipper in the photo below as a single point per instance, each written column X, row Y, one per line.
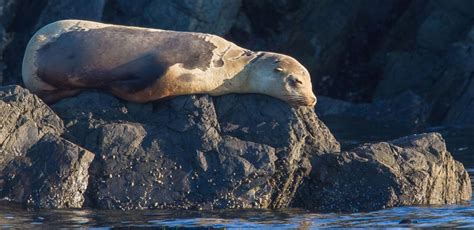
column 131, row 90
column 53, row 96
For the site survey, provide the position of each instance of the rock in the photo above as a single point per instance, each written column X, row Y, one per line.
column 407, row 109
column 6, row 16
column 363, row 51
column 455, row 92
column 25, row 120
column 70, row 9
column 234, row 151
column 52, row 174
column 462, row 111
column 3, row 43
column 212, row 16
column 262, row 25
column 432, row 57
column 201, row 152
column 413, row 170
column 334, row 40
column 7, row 11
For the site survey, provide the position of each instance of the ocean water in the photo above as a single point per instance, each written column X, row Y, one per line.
column 460, row 142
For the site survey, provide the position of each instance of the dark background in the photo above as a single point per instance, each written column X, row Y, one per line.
column 407, row 61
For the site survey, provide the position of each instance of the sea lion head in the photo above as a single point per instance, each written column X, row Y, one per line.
column 283, row 77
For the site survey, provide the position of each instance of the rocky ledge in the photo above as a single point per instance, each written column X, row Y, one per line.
column 412, row 170
column 201, row 152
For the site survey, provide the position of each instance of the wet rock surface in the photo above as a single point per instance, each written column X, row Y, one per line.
column 413, row 170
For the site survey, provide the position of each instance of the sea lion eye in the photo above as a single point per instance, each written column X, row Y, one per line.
column 279, row 69
column 294, row 82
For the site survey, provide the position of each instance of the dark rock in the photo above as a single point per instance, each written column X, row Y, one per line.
column 52, row 174
column 25, row 120
column 248, row 151
column 233, row 151
column 70, row 9
column 334, row 40
column 407, row 109
column 6, row 16
column 262, row 25
column 212, row 16
column 455, row 92
column 4, row 40
column 431, row 57
column 367, row 51
column 7, row 11
column 412, row 170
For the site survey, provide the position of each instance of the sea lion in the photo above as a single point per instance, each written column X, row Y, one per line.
column 142, row 65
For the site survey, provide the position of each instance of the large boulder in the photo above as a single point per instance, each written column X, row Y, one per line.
column 247, row 151
column 25, row 120
column 52, row 174
column 413, row 170
column 36, row 165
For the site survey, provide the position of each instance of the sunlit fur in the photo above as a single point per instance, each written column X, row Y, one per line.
column 242, row 71
column 282, row 77
column 272, row 74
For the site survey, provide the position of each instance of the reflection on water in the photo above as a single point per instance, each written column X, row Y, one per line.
column 446, row 216
column 349, row 133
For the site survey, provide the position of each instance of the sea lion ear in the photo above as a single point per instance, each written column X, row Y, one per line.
column 279, row 69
